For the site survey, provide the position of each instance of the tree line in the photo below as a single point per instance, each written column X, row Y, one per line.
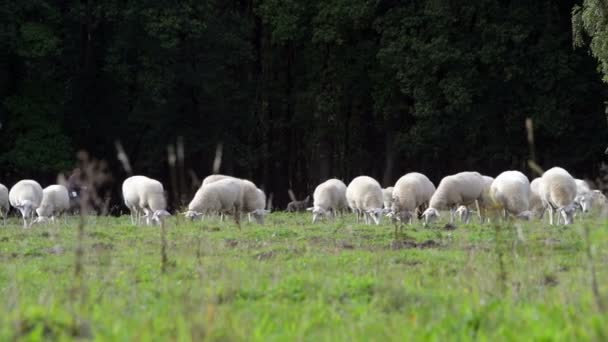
column 297, row 91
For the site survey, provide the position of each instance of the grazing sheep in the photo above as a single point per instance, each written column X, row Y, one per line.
column 253, row 201
column 26, row 196
column 510, row 192
column 329, row 198
column 462, row 188
column 214, row 178
column 364, row 197
column 55, row 201
column 411, row 193
column 145, row 197
column 484, row 203
column 557, row 192
column 387, row 198
column 583, row 195
column 296, row 206
column 223, row 196
column 4, row 205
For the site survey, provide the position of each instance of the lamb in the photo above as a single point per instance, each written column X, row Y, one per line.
column 223, row 196
column 329, row 197
column 364, row 197
column 253, row 201
column 4, row 205
column 55, row 201
column 145, row 197
column 557, row 192
column 387, row 198
column 462, row 188
column 510, row 192
column 584, row 195
column 295, row 206
column 26, row 196
column 411, row 193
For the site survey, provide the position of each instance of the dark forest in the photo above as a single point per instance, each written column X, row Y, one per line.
column 296, row 91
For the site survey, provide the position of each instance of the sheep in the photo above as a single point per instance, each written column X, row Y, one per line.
column 55, row 201
column 364, row 197
column 329, row 197
column 387, row 198
column 557, row 192
column 462, row 188
column 214, row 178
column 484, row 203
column 145, row 197
column 4, row 205
column 26, row 196
column 583, row 195
column 510, row 191
column 411, row 192
column 223, row 196
column 253, row 201
column 295, row 206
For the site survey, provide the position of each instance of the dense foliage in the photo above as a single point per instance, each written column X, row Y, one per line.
column 297, row 91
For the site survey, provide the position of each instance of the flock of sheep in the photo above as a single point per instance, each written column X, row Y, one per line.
column 509, row 194
column 413, row 195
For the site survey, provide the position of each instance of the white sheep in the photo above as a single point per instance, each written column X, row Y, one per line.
column 26, row 196
column 223, row 196
column 584, row 196
column 145, row 197
column 214, row 178
column 463, row 188
column 4, row 204
column 253, row 201
column 412, row 191
column 484, row 203
column 387, row 198
column 557, row 192
column 364, row 197
column 510, row 192
column 55, row 201
column 329, row 198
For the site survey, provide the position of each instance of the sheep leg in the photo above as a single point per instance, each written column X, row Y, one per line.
column 550, row 215
column 452, row 213
column 479, row 211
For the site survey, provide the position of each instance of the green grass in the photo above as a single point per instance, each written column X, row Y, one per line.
column 291, row 280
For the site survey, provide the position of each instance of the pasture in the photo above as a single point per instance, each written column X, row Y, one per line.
column 292, row 280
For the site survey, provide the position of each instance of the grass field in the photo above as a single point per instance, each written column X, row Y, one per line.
column 291, row 280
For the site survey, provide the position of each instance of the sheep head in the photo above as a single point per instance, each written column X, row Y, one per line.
column 429, row 215
column 567, row 213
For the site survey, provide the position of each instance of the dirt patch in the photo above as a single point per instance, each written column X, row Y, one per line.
column 408, row 244
column 550, row 280
column 45, row 234
column 346, row 245
column 264, row 255
column 102, row 246
column 449, row 226
column 231, row 243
